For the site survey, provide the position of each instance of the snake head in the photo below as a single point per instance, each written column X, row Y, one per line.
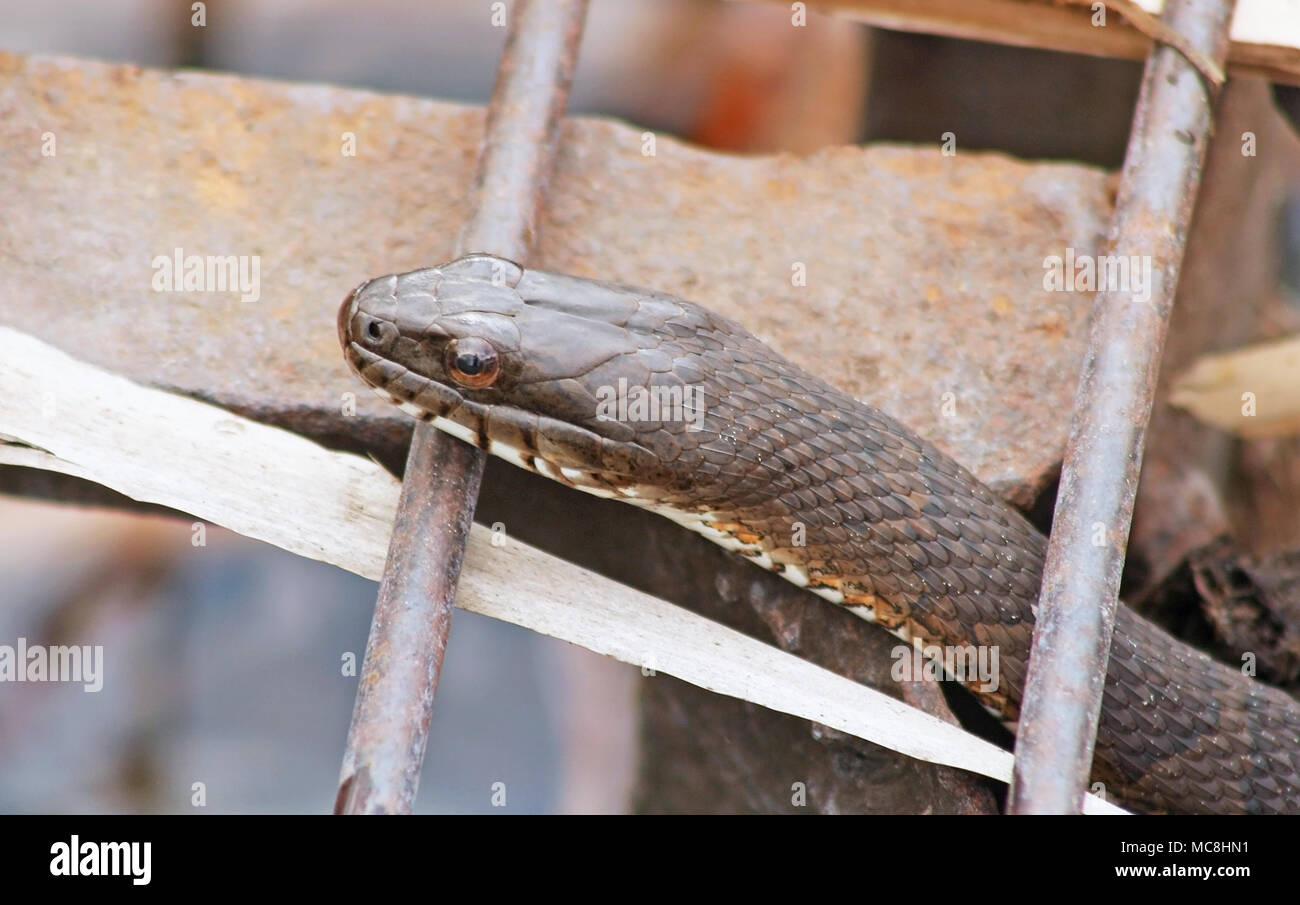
column 550, row 372
column 423, row 339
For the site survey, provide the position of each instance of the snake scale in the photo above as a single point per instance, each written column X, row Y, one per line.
column 832, row 494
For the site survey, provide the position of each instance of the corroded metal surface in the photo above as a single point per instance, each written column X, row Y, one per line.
column 440, row 487
column 1077, row 613
column 909, row 287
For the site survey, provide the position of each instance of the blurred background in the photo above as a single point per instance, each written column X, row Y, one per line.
column 227, row 659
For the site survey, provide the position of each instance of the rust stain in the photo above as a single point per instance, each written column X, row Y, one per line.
column 781, row 190
column 1053, row 327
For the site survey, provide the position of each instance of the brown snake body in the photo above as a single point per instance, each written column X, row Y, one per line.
column 800, row 477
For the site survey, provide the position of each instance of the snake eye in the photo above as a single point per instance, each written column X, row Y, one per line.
column 472, row 362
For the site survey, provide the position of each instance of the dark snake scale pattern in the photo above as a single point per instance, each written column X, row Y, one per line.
column 906, row 535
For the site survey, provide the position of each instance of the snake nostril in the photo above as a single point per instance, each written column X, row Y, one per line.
column 374, row 331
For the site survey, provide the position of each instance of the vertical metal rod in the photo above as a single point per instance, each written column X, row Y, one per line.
column 1094, row 507
column 390, row 724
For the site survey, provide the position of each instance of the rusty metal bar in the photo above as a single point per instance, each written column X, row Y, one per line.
column 1094, row 507
column 390, row 724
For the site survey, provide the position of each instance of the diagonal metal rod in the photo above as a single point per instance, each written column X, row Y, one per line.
column 408, row 635
column 1094, row 507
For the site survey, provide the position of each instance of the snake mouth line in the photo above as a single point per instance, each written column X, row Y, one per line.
column 401, row 387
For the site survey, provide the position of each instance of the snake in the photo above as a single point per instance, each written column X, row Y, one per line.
column 640, row 396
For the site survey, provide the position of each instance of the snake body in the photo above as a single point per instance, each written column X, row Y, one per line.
column 798, row 476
